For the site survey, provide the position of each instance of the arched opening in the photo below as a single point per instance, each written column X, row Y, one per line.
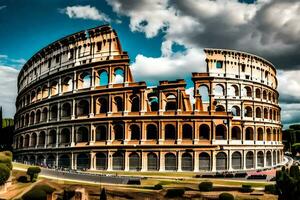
column 269, row 159
column 103, row 78
column 27, row 119
column 83, row 108
column 65, row 136
column 248, row 111
column 187, row 162
column 118, row 132
column 235, row 110
column 152, row 132
column 220, row 108
column 269, row 135
column 119, row 104
column 135, row 103
column 152, row 162
column 84, row 80
column 21, row 144
column 64, row 161
column 170, row 162
column 204, row 161
column 204, row 93
column 274, row 157
column 220, row 132
column 247, row 92
column 258, row 112
column 118, row 161
column 102, row 105
column 118, row 76
column 101, row 133
column 39, row 94
column 32, row 160
column 153, row 101
column 204, row 132
column 83, row 161
column 33, row 139
column 53, row 112
column 235, row 133
column 50, row 161
column 269, row 96
column 260, row 134
column 31, row 119
column 234, row 90
column 44, row 115
column 38, row 116
column 52, row 137
column 135, row 132
column 45, row 92
column 171, row 104
column 82, row 135
column 40, row 160
column 257, row 93
column 221, row 161
column 249, row 160
column 101, row 161
column 54, row 88
column 66, row 110
column 266, row 113
column 270, row 114
column 42, row 139
column 219, row 90
column 249, row 133
column 134, row 162
column 236, row 158
column 67, row 84
column 260, row 159
column 265, row 95
column 33, row 96
column 170, row 133
column 187, row 132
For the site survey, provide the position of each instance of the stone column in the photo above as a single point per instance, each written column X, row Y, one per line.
column 109, row 161
column 161, row 161
column 57, row 137
column 144, row 161
column 74, row 161
column 93, row 161
column 73, row 136
column 230, row 168
column 126, row 159
column 213, row 161
column 73, row 109
column 196, row 161
column 91, row 107
column 179, row 161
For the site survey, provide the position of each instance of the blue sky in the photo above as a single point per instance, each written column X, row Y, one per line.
column 164, row 38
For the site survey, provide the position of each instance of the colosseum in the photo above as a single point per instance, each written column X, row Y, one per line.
column 78, row 107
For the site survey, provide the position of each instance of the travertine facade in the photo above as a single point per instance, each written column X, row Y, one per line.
column 79, row 107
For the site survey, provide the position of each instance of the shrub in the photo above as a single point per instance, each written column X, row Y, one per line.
column 271, row 189
column 22, row 179
column 175, row 192
column 5, row 160
column 158, row 187
column 46, row 188
column 8, row 154
column 240, row 175
column 35, row 194
column 206, row 186
column 33, row 172
column 229, row 175
column 226, row 196
column 4, row 173
column 246, row 188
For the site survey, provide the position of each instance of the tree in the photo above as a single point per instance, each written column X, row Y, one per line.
column 4, row 173
column 33, row 172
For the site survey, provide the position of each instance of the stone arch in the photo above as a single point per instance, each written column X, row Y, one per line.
column 171, row 103
column 265, row 95
column 247, row 91
column 31, row 118
column 135, row 132
column 152, row 133
column 38, row 116
column 269, row 134
column 67, row 84
column 257, row 93
column 170, row 132
column 248, row 111
column 101, row 161
column 118, row 103
column 187, row 132
column 187, row 162
column 204, row 161
column 118, row 75
column 82, row 134
column 236, row 158
column 260, row 134
column 66, row 109
column 152, row 162
column 50, row 161
column 42, row 138
column 221, row 132
column 52, row 137
column 85, row 80
column 153, row 101
column 102, row 105
column 118, row 132
column 170, row 162
column 249, row 135
column 83, row 161
column 33, row 140
column 260, row 159
column 234, row 90
column 219, row 90
column 204, row 132
column 64, row 161
column 221, row 161
column 118, row 161
column 83, row 108
column 101, row 133
column 134, row 162
column 269, row 158
column 266, row 113
column 204, row 93
column 249, row 160
column 236, row 111
column 135, row 103
column 103, row 78
column 236, row 133
column 54, row 88
column 258, row 112
column 45, row 91
column 44, row 115
column 220, row 108
column 53, row 112
column 65, row 136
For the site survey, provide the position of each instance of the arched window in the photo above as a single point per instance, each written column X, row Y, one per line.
column 204, row 132
column 38, row 116
column 170, row 133
column 135, row 132
column 152, row 132
column 153, row 101
column 235, row 133
column 170, row 162
column 33, row 140
column 234, row 90
column 45, row 91
column 119, row 104
column 118, row 132
column 270, row 114
column 236, row 158
column 266, row 113
column 33, row 96
column 265, row 95
column 171, row 102
column 236, row 111
column 153, row 162
column 260, row 134
column 258, row 112
column 221, row 161
column 67, row 84
column 42, row 139
column 83, row 161
column 204, row 161
column 134, row 162
column 31, row 119
column 66, row 110
column 269, row 159
column 135, row 103
column 274, row 135
column 257, row 93
column 44, row 115
column 51, row 161
column 269, row 135
column 118, row 161
column 220, row 132
column 54, row 112
column 220, row 108
column 187, row 162
column 40, row 160
column 247, row 92
column 248, row 111
column 274, row 157
column 260, row 159
column 102, row 105
column 101, row 161
column 118, row 76
column 249, row 160
column 52, row 137
column 204, row 93
column 269, row 96
column 27, row 119
column 101, row 133
column 103, row 78
column 83, row 108
column 65, row 136
column 26, row 143
column 85, row 80
column 64, row 161
column 54, row 88
column 249, row 133
column 219, row 90
column 82, row 135
column 187, row 132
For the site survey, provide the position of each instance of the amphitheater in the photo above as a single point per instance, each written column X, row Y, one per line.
column 78, row 107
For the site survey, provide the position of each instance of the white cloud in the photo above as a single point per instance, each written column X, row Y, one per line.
column 8, row 90
column 85, row 12
column 2, row 7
